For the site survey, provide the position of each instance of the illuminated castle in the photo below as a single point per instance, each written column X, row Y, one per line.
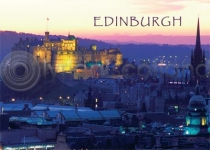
column 65, row 55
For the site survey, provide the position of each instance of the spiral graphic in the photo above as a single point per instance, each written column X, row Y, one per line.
column 20, row 71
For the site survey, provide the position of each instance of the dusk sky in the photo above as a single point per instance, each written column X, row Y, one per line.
column 77, row 17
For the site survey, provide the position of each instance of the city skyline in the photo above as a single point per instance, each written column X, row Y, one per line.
column 77, row 17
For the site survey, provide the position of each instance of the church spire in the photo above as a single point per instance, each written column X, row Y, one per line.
column 198, row 42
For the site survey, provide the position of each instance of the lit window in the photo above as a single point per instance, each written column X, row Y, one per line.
column 203, row 121
column 187, row 121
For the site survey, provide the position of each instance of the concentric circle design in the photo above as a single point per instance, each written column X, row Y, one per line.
column 20, row 71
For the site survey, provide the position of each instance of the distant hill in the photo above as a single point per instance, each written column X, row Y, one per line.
column 130, row 51
column 9, row 38
column 153, row 39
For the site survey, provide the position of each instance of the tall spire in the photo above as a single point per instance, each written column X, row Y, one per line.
column 198, row 41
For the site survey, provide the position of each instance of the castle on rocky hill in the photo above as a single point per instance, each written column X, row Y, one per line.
column 64, row 55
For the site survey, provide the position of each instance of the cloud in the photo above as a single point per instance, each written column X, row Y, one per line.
column 163, row 6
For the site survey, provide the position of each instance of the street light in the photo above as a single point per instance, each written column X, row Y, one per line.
column 68, row 97
column 13, row 99
column 60, row 97
column 41, row 98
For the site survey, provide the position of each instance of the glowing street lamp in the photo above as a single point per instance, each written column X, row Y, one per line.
column 13, row 99
column 68, row 97
column 60, row 97
column 41, row 98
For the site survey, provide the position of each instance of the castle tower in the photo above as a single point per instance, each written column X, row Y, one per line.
column 198, row 59
column 46, row 37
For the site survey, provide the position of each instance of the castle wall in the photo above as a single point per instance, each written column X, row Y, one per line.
column 68, row 45
column 64, row 61
column 42, row 54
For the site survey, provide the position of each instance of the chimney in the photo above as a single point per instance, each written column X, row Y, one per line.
column 26, row 107
column 76, row 108
column 2, row 110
